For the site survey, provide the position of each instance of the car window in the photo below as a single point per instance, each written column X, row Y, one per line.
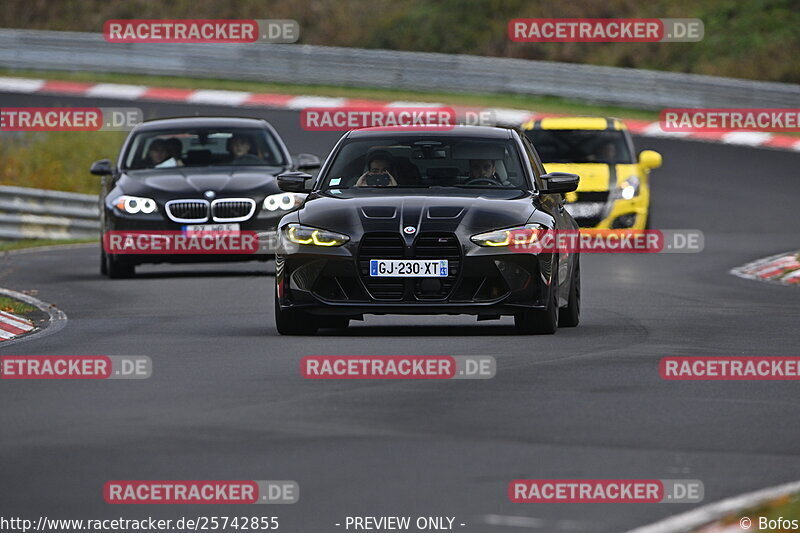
column 201, row 147
column 420, row 162
column 581, row 146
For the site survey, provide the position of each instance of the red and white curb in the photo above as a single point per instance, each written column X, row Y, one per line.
column 782, row 268
column 134, row 93
column 14, row 329
column 736, row 508
column 12, row 326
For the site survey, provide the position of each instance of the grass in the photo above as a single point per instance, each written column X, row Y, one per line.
column 9, row 305
column 787, row 507
column 34, row 243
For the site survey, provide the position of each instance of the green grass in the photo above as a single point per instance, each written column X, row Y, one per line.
column 787, row 507
column 31, row 243
column 10, row 305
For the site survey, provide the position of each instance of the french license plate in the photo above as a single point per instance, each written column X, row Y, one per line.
column 211, row 228
column 408, row 268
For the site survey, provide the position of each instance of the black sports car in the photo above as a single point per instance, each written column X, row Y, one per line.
column 418, row 222
column 196, row 176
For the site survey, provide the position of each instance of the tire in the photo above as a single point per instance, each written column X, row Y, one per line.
column 570, row 316
column 540, row 321
column 294, row 322
column 118, row 268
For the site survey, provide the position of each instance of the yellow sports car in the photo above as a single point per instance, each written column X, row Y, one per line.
column 614, row 190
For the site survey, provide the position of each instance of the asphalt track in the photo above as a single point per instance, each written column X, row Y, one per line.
column 226, row 400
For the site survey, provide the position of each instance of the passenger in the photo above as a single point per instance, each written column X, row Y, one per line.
column 239, row 147
column 379, row 162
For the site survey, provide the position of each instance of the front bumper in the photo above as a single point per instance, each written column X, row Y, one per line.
column 486, row 281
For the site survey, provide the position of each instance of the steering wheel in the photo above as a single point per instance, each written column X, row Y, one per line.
column 483, row 181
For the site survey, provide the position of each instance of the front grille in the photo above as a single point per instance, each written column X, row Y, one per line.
column 589, row 208
column 437, row 246
column 232, row 209
column 426, row 246
column 381, row 246
column 189, row 211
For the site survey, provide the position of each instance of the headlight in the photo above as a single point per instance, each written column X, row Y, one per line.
column 134, row 204
column 300, row 234
column 628, row 189
column 516, row 236
column 284, row 200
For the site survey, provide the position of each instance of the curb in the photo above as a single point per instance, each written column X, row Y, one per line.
column 12, row 326
column 299, row 102
column 689, row 521
column 56, row 321
column 782, row 269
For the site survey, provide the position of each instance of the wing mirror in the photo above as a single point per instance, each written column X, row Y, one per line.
column 102, row 168
column 306, row 162
column 294, row 181
column 649, row 159
column 560, row 182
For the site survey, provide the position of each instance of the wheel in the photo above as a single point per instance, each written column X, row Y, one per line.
column 571, row 314
column 540, row 321
column 118, row 268
column 294, row 322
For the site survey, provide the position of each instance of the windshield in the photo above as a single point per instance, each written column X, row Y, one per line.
column 581, row 146
column 203, row 147
column 415, row 162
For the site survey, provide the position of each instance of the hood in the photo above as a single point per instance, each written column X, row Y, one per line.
column 193, row 182
column 353, row 210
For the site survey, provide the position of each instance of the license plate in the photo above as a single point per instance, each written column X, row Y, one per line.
column 211, row 228
column 408, row 268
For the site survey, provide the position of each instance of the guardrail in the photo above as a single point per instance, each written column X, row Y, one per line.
column 39, row 214
column 354, row 67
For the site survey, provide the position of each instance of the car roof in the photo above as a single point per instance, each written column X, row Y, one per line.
column 199, row 122
column 575, row 123
column 489, row 132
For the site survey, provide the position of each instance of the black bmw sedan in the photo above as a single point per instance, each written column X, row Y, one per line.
column 420, row 222
column 194, row 176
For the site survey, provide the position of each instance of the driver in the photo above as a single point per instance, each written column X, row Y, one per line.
column 483, row 169
column 158, row 155
column 378, row 162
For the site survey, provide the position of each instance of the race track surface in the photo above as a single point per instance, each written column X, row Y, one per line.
column 226, row 400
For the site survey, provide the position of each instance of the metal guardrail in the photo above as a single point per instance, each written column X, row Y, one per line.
column 323, row 65
column 40, row 214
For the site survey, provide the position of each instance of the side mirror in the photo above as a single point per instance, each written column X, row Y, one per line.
column 294, row 181
column 560, row 182
column 650, row 159
column 102, row 168
column 306, row 161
